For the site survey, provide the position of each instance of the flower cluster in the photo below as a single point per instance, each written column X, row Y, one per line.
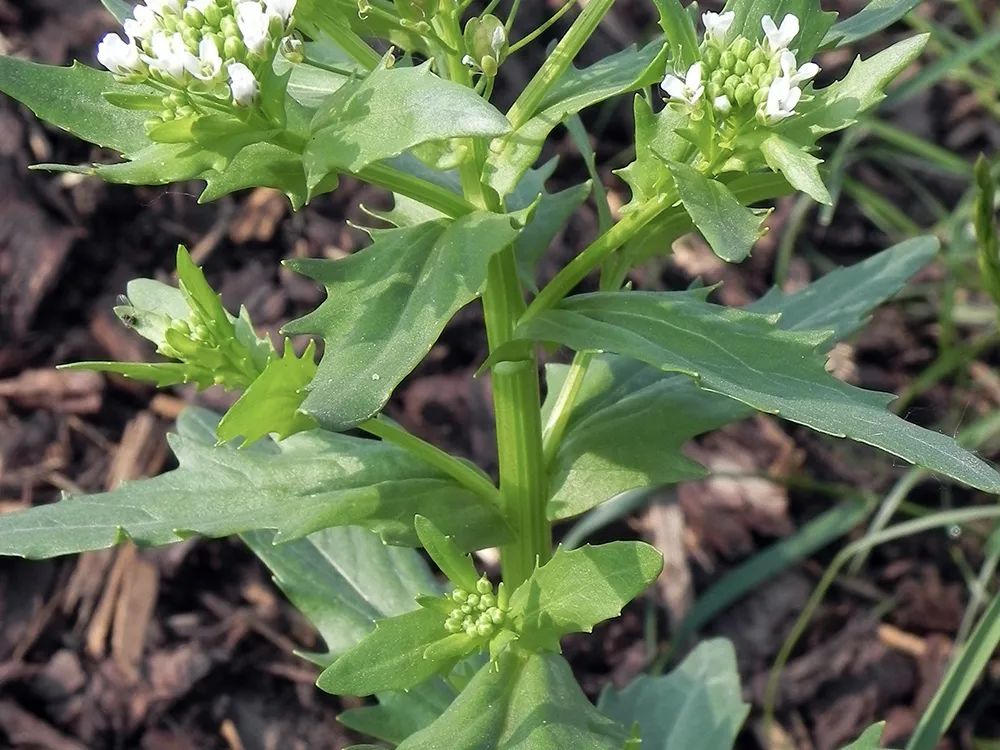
column 738, row 77
column 479, row 613
column 199, row 48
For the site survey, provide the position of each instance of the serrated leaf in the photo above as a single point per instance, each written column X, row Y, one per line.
column 814, row 23
column 576, row 590
column 698, row 705
column 729, row 227
column 631, row 400
column 656, row 143
column 270, row 405
column 679, row 31
column 747, row 357
column 525, row 702
column 400, row 715
column 72, row 99
column 839, row 105
column 389, row 112
column 799, row 167
column 309, row 482
column 391, row 658
column 871, row 738
column 628, row 70
column 386, row 307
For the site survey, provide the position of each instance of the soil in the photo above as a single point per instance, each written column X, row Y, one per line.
column 191, row 646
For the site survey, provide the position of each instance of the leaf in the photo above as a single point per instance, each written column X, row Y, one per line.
column 625, row 71
column 457, row 567
column 271, row 403
column 120, row 9
column 747, row 357
column 965, row 670
column 657, row 142
column 874, row 17
column 631, row 400
column 400, row 715
column 391, row 658
column 343, row 580
column 72, row 99
column 526, row 702
column 309, row 482
column 698, row 705
column 386, row 307
column 837, row 106
column 798, row 166
column 389, row 112
column 262, row 165
column 679, row 31
column 729, row 227
column 814, row 23
column 870, row 739
column 575, row 590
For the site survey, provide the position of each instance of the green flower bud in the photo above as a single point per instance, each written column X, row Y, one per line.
column 213, row 15
column 484, row 630
column 472, row 600
column 495, row 615
column 458, row 596
column 467, row 609
column 483, row 586
column 234, row 48
column 760, row 96
column 471, row 629
column 487, row 600
column 229, row 27
column 453, row 627
column 741, row 48
column 193, row 18
column 759, row 71
column 756, row 57
column 486, row 42
column 743, row 94
column 711, row 56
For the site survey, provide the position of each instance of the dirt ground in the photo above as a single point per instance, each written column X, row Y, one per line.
column 190, row 647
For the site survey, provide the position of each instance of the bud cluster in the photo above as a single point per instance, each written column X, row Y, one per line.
column 227, row 362
column 217, row 49
column 480, row 613
column 486, row 44
column 740, row 79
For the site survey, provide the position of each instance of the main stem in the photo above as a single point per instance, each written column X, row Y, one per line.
column 516, row 393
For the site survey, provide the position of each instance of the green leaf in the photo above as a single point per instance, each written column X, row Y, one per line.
column 344, row 580
column 729, row 227
column 309, row 482
column 679, row 31
column 120, row 9
column 72, row 99
column 576, row 590
column 839, row 105
column 400, row 715
column 799, row 167
column 874, row 17
column 871, row 738
column 698, row 705
column 456, row 566
column 389, row 112
column 386, row 307
column 814, row 23
column 630, row 400
column 657, row 142
column 160, row 374
column 391, row 658
column 747, row 357
column 965, row 670
column 622, row 72
column 262, row 165
column 525, row 702
column 271, row 403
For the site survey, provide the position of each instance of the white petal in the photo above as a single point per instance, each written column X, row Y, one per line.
column 722, row 105
column 717, row 25
column 807, row 72
column 283, row 9
column 254, row 25
column 789, row 27
column 674, row 87
column 243, row 84
column 117, row 55
column 693, row 78
column 787, row 63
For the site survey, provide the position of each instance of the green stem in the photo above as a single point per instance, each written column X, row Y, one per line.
column 528, row 39
column 349, row 41
column 464, row 473
column 428, row 193
column 517, row 404
column 596, row 254
column 558, row 62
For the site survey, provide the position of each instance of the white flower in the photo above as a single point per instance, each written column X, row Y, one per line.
column 722, row 105
column 717, row 24
column 778, row 38
column 142, row 24
column 254, row 25
column 797, row 75
column 208, row 64
column 688, row 90
column 283, row 9
column 118, row 56
column 170, row 55
column 162, row 7
column 242, row 84
column 782, row 98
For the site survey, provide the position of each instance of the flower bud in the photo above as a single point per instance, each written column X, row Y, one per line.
column 243, row 85
column 484, row 629
column 486, row 42
column 193, row 17
column 483, row 586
